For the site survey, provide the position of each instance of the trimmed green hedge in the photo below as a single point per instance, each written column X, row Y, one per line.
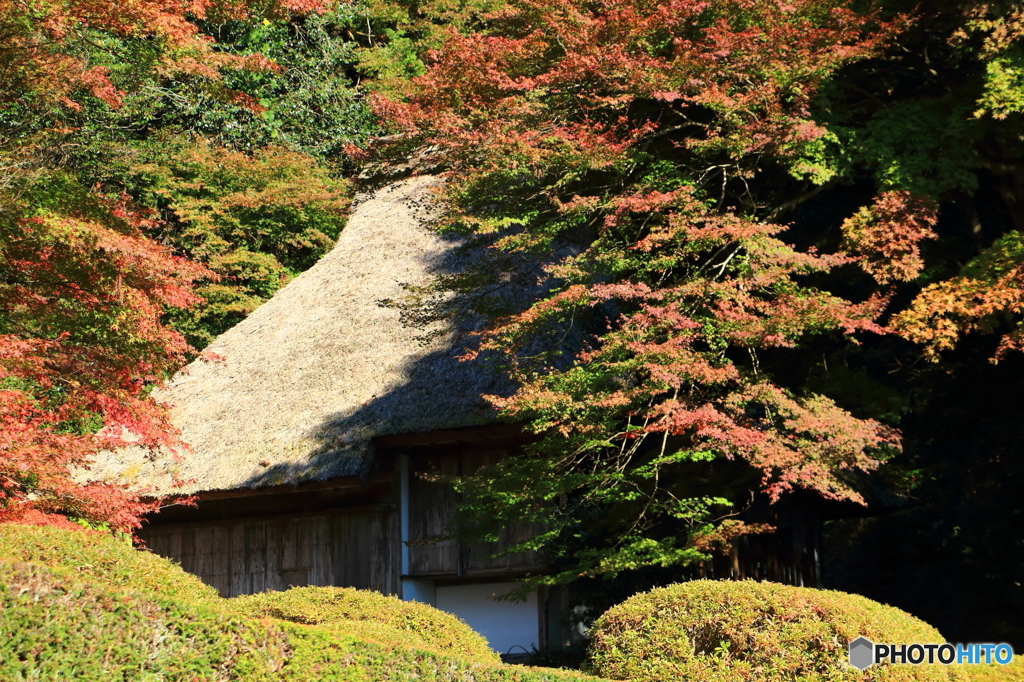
column 103, row 611
column 56, row 625
column 325, row 654
column 753, row 632
column 1014, row 672
column 371, row 616
column 98, row 555
column 83, row 606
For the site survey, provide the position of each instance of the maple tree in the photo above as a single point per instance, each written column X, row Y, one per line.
column 686, row 192
column 84, row 287
column 310, row 101
column 83, row 291
column 944, row 121
column 249, row 186
column 46, row 44
column 255, row 220
column 625, row 145
column 923, row 118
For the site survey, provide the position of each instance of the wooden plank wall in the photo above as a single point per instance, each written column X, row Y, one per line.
column 477, row 557
column 255, row 555
column 431, row 512
column 790, row 555
column 366, row 551
column 432, row 506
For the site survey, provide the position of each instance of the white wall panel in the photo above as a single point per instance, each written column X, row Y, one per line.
column 506, row 625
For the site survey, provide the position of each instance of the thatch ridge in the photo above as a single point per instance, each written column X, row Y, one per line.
column 316, row 372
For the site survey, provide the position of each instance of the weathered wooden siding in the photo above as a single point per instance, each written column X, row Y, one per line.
column 246, row 556
column 477, row 557
column 366, row 551
column 790, row 555
column 432, row 505
column 431, row 512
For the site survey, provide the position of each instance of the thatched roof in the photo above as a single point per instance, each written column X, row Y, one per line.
column 316, row 372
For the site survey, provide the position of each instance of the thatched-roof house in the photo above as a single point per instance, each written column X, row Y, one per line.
column 307, row 437
column 309, row 434
column 313, row 375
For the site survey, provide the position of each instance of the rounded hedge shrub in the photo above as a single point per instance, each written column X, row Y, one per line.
column 100, row 556
column 371, row 616
column 57, row 625
column 746, row 631
column 105, row 611
column 1013, row 672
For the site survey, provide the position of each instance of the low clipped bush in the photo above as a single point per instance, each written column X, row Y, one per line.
column 79, row 605
column 56, row 625
column 321, row 653
column 746, row 631
column 100, row 556
column 1013, row 672
column 371, row 616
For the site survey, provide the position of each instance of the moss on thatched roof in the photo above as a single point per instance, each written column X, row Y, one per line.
column 316, row 372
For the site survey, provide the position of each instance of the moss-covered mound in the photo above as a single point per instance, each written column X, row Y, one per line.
column 749, row 631
column 97, row 610
column 371, row 616
column 97, row 555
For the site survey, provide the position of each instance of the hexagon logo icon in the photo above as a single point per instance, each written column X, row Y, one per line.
column 862, row 653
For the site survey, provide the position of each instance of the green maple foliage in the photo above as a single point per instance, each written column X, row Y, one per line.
column 255, row 220
column 633, row 149
column 728, row 220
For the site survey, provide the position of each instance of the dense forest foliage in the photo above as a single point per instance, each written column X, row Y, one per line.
column 778, row 244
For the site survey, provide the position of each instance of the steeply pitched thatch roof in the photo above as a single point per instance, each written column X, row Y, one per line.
column 321, row 368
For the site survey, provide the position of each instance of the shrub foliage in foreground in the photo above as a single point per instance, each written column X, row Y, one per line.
column 323, row 654
column 99, row 557
column 371, row 616
column 59, row 626
column 1014, row 672
column 361, row 613
column 746, row 631
column 83, row 606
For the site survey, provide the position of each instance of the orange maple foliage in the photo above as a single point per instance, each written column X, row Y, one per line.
column 83, row 290
column 988, row 291
column 40, row 40
column 886, row 235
